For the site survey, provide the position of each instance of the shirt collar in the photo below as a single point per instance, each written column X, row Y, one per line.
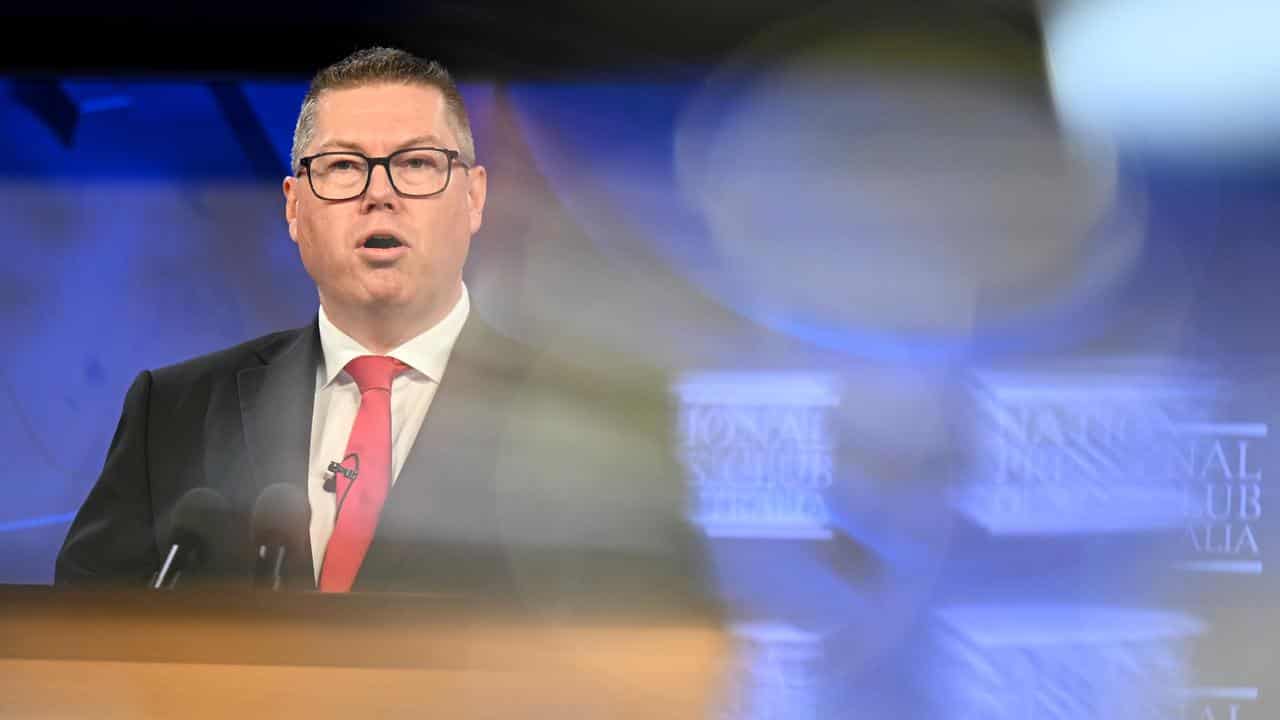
column 427, row 353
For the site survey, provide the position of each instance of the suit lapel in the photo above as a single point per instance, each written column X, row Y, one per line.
column 276, row 401
column 438, row 528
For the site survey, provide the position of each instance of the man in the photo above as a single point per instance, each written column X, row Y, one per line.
column 435, row 454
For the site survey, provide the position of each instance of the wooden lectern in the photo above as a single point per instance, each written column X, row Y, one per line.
column 248, row 654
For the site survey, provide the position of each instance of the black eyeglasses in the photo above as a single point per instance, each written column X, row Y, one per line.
column 414, row 172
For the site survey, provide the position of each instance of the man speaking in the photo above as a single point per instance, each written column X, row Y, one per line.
column 433, row 453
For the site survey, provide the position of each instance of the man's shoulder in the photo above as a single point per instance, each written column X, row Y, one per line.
column 229, row 361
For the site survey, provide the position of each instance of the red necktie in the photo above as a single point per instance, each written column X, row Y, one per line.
column 364, row 477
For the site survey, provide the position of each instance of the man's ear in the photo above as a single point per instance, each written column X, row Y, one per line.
column 477, row 191
column 290, row 188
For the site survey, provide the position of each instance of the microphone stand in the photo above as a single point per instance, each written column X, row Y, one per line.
column 161, row 580
column 277, row 563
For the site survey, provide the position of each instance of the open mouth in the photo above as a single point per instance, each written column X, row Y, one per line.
column 382, row 242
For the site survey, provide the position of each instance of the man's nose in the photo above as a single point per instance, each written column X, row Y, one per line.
column 380, row 189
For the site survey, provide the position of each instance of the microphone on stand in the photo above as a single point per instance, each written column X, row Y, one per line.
column 198, row 517
column 280, row 523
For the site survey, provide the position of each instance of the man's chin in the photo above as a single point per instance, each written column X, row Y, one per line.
column 387, row 303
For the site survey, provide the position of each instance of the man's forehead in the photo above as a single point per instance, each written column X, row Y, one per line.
column 385, row 113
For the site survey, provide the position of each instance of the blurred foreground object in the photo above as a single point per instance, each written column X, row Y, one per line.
column 1180, row 78
column 897, row 188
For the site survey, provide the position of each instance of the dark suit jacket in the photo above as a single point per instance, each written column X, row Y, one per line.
column 532, row 479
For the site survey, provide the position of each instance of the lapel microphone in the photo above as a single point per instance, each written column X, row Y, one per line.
column 335, row 468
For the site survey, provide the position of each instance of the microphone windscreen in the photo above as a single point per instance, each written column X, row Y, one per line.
column 281, row 516
column 199, row 517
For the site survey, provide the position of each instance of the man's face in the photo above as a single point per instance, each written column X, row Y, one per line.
column 422, row 275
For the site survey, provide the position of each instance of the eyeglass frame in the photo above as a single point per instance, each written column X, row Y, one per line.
column 453, row 156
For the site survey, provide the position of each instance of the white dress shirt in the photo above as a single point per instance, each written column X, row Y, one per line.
column 338, row 400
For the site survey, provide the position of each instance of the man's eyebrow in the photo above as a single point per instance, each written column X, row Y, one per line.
column 421, row 140
column 343, row 144
column 418, row 141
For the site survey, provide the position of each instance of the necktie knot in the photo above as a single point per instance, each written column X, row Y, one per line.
column 374, row 372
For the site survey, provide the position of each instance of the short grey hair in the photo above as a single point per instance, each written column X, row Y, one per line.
column 373, row 66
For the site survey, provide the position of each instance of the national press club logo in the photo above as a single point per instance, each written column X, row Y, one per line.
column 1089, row 453
column 758, row 449
column 1097, row 453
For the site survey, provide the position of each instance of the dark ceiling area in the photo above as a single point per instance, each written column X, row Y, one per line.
column 476, row 39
